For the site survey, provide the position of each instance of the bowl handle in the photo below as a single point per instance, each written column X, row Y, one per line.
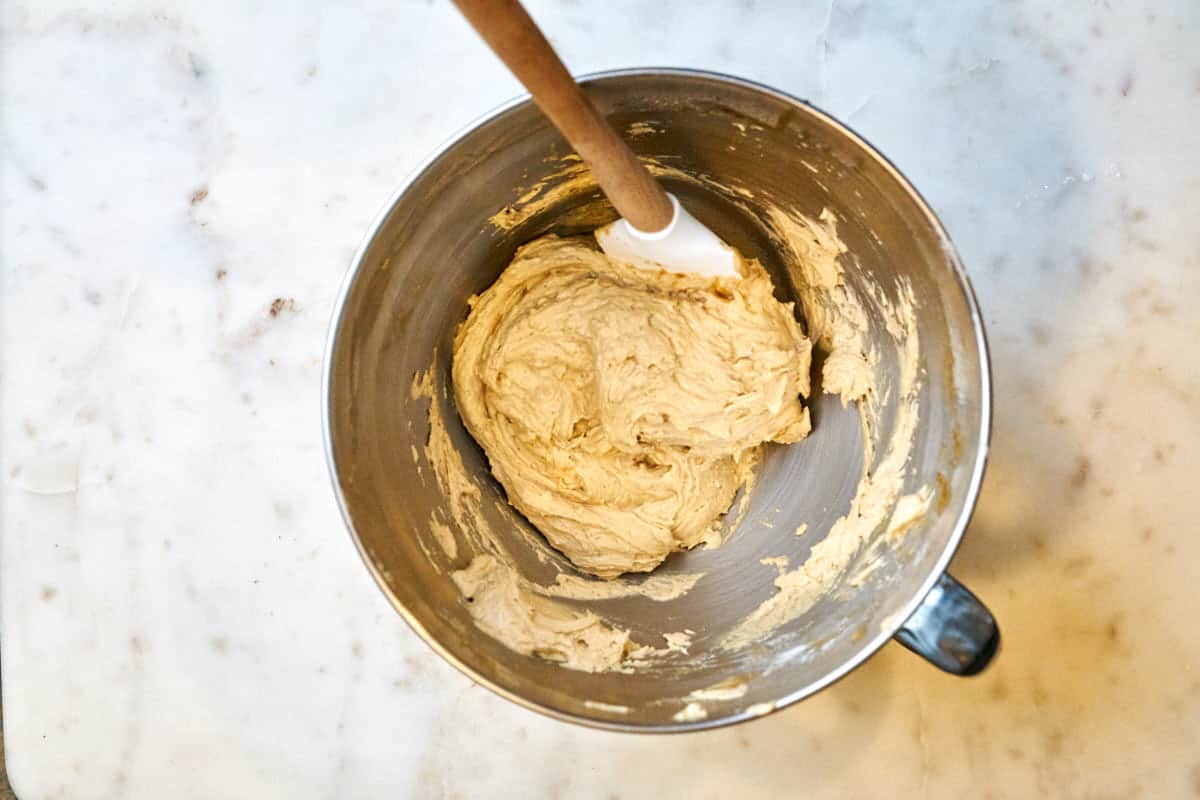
column 951, row 629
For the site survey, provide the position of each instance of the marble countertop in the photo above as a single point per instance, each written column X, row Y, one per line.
column 183, row 185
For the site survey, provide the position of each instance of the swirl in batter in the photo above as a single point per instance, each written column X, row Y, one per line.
column 621, row 409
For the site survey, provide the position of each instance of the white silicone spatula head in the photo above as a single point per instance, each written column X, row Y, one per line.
column 655, row 232
column 685, row 245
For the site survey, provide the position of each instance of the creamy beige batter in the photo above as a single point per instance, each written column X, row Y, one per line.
column 535, row 625
column 620, row 408
column 564, row 621
column 527, row 617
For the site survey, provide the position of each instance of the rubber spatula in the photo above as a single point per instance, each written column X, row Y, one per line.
column 655, row 231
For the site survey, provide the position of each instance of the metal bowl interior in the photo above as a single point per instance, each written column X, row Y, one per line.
column 434, row 247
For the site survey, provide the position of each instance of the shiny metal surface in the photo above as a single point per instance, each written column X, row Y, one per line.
column 433, row 247
column 952, row 629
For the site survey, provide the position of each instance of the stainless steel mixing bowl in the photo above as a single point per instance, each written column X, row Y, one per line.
column 434, row 247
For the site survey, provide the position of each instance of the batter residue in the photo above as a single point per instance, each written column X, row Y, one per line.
column 621, row 409
column 560, row 374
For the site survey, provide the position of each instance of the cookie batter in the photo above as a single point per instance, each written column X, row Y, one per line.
column 566, row 619
column 622, row 409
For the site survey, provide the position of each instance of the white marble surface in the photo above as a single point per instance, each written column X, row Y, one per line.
column 183, row 614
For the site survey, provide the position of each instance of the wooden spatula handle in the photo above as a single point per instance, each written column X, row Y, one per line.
column 515, row 38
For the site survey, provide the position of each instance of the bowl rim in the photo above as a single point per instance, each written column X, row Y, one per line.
column 895, row 622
